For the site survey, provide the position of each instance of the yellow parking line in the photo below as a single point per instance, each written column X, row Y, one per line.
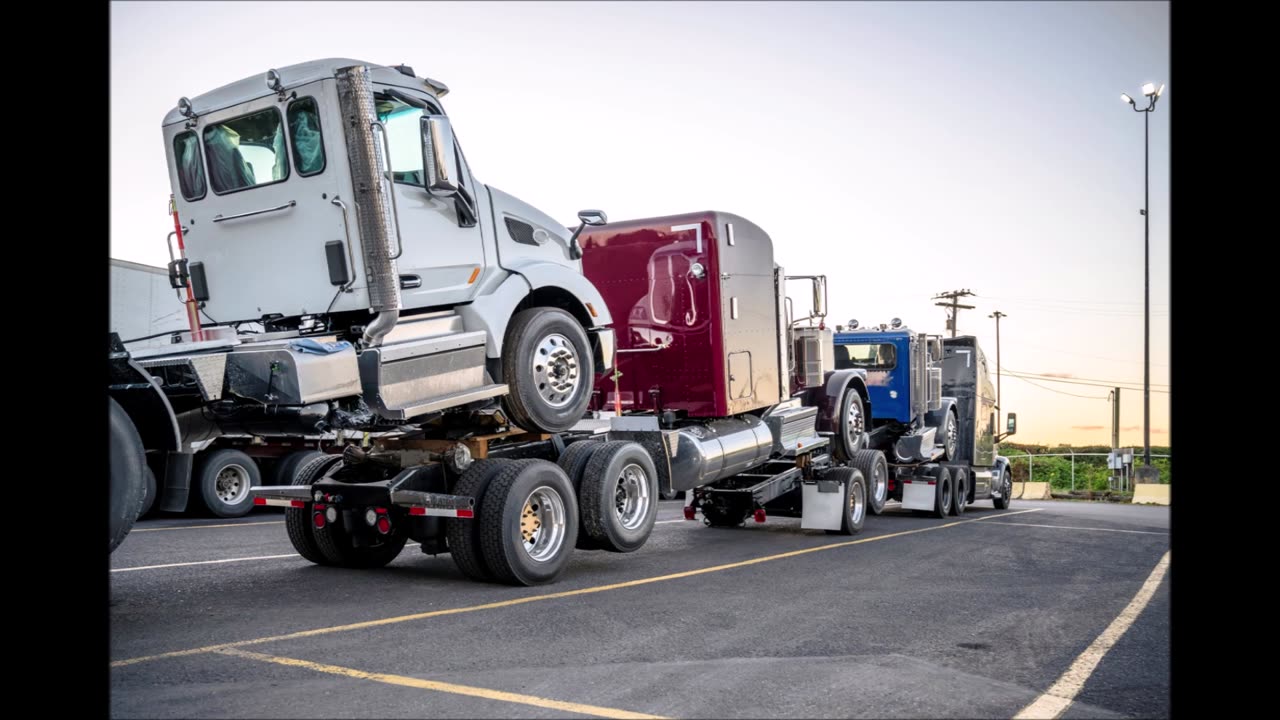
column 202, row 527
column 547, row 596
column 421, row 684
column 1058, row 698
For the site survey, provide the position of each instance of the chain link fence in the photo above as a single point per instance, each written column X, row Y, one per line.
column 1079, row 473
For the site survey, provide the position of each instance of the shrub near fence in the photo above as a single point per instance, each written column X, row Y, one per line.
column 1055, row 467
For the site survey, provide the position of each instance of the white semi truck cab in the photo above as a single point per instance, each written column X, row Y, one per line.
column 347, row 271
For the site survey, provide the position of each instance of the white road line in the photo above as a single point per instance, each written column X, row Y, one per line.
column 216, row 562
column 201, row 527
column 664, row 522
column 1058, row 698
column 203, row 562
column 1074, row 527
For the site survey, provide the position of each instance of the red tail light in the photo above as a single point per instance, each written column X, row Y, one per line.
column 384, row 524
column 760, row 515
column 259, row 501
column 319, row 520
column 689, row 512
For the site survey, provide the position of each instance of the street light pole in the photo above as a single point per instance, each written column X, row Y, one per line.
column 1152, row 95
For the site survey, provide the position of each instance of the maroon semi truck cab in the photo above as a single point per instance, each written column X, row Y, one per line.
column 697, row 311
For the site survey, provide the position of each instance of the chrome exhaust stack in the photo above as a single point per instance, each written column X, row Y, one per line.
column 374, row 199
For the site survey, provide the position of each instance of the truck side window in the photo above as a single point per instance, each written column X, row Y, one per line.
column 186, row 156
column 404, row 133
column 246, row 152
column 304, row 131
column 883, row 356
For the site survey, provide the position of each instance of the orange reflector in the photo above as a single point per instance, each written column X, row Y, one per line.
column 474, row 274
column 591, row 310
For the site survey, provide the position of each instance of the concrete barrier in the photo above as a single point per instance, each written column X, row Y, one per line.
column 1031, row 491
column 1151, row 494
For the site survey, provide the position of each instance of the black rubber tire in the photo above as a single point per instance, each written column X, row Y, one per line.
column 855, row 485
column 959, row 490
column 843, row 448
column 524, row 404
column 942, row 493
column 335, row 544
column 875, row 468
column 500, row 537
column 597, row 497
column 205, row 478
column 948, row 435
column 128, row 473
column 149, row 497
column 287, row 467
column 463, row 534
column 1006, row 490
column 574, row 463
column 297, row 521
column 713, row 516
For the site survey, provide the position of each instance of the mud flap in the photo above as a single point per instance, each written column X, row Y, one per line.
column 918, row 494
column 177, row 481
column 823, row 507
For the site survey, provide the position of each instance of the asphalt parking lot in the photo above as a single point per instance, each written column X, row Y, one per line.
column 1046, row 608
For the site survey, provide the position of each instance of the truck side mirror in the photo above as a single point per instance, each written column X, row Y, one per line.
column 1012, row 426
column 588, row 217
column 820, row 296
column 439, row 156
column 593, row 217
column 935, row 351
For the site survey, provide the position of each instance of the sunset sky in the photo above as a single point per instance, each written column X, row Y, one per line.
column 903, row 149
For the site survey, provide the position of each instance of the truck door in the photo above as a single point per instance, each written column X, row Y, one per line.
column 440, row 259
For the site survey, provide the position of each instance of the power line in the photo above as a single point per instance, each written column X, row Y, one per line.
column 1102, row 309
column 1075, row 382
column 1056, row 300
column 1110, row 383
column 1083, row 355
column 1061, row 392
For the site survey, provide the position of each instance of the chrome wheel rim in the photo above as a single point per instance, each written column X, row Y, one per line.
column 946, row 494
column 232, row 484
column 542, row 524
column 854, row 424
column 556, row 370
column 951, row 440
column 879, row 482
column 857, row 503
column 631, row 496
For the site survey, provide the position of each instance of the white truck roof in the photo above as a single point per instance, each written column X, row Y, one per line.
column 292, row 76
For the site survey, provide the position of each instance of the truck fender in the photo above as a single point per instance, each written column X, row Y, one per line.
column 1001, row 464
column 542, row 274
column 152, row 414
column 827, row 398
column 934, row 418
column 144, row 401
column 533, row 279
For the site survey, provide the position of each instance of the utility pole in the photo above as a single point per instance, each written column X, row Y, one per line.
column 997, row 315
column 1115, row 418
column 954, row 296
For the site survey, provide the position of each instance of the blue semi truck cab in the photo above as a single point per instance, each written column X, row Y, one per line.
column 933, row 417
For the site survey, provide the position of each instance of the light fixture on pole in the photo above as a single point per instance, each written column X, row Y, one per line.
column 1152, row 94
